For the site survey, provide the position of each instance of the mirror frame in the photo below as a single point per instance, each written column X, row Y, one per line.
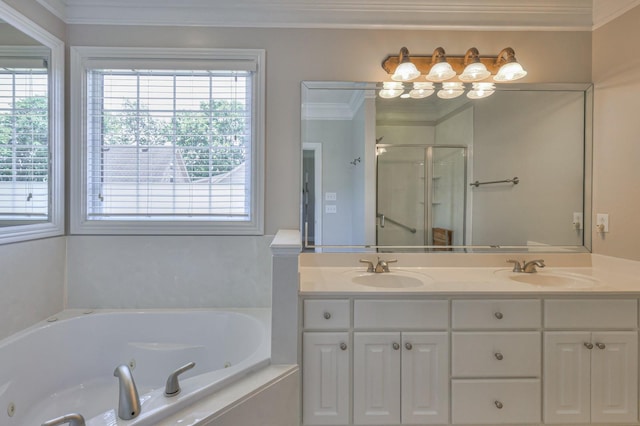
column 587, row 190
column 54, row 226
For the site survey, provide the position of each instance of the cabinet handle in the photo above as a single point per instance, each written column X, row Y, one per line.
column 408, row 345
column 327, row 315
column 396, row 346
column 498, row 356
column 499, row 405
column 499, row 315
column 343, row 346
column 600, row 345
column 588, row 345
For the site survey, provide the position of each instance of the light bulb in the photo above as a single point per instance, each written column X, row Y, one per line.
column 451, row 90
column 391, row 89
column 474, row 72
column 421, row 90
column 481, row 90
column 405, row 72
column 440, row 72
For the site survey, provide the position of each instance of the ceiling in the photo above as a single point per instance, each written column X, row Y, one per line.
column 564, row 15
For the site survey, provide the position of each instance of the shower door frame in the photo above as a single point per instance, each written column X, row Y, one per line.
column 428, row 187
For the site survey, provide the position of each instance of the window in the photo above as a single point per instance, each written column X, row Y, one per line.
column 24, row 140
column 170, row 143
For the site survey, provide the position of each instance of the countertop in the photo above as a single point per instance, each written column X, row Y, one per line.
column 590, row 274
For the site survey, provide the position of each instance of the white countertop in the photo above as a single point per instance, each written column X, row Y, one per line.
column 595, row 275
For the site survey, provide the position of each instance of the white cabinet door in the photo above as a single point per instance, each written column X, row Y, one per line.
column 325, row 378
column 614, row 377
column 425, row 378
column 567, row 372
column 376, row 378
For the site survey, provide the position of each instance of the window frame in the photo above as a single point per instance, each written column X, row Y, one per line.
column 79, row 221
column 54, row 226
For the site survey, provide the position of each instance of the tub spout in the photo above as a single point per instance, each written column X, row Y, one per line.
column 172, row 387
column 128, row 401
column 73, row 419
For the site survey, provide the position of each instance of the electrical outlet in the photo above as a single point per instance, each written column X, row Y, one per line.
column 577, row 220
column 602, row 222
column 330, row 208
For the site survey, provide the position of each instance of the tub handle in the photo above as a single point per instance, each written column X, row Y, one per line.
column 73, row 419
column 172, row 387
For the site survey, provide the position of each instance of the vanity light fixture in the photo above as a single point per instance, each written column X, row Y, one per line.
column 421, row 90
column 406, row 70
column 451, row 89
column 441, row 70
column 510, row 69
column 469, row 68
column 481, row 90
column 474, row 70
column 391, row 89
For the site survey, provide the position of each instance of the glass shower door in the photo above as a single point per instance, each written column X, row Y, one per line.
column 421, row 195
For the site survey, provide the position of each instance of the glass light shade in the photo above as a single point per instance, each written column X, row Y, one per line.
column 451, row 90
column 440, row 72
column 421, row 90
column 391, row 89
column 481, row 90
column 509, row 72
column 405, row 71
column 474, row 72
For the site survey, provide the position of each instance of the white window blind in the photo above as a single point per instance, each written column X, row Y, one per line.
column 169, row 144
column 24, row 139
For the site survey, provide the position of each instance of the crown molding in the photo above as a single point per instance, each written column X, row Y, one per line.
column 568, row 15
column 605, row 11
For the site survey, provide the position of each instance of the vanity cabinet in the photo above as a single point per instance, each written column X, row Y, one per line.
column 326, row 362
column 591, row 374
column 495, row 361
column 400, row 378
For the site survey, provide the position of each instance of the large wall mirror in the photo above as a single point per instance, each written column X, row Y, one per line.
column 509, row 172
column 31, row 129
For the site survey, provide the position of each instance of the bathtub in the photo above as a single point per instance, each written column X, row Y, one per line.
column 66, row 363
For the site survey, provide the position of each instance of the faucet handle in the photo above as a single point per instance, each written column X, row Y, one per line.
column 73, row 419
column 370, row 267
column 172, row 388
column 516, row 265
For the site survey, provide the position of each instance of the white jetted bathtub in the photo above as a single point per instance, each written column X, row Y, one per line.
column 66, row 365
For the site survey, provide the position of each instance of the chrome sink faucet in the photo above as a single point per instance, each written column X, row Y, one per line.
column 527, row 267
column 381, row 266
column 73, row 419
column 128, row 400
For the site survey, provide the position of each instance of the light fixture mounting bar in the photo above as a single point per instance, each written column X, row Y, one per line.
column 423, row 63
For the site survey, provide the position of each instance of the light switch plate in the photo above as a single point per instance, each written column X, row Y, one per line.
column 602, row 222
column 330, row 196
column 330, row 208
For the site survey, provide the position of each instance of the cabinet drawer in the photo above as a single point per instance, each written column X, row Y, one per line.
column 405, row 314
column 590, row 314
column 490, row 314
column 496, row 354
column 320, row 314
column 495, row 401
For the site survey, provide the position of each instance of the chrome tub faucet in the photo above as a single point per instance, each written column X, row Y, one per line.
column 128, row 400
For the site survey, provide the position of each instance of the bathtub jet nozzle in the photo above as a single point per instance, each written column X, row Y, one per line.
column 172, row 388
column 128, row 400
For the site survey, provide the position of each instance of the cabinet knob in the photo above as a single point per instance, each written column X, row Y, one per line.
column 499, row 315
column 343, row 346
column 327, row 315
column 408, row 345
column 588, row 345
column 499, row 405
column 498, row 356
column 601, row 345
column 395, row 346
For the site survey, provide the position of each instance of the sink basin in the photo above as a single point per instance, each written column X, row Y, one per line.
column 553, row 279
column 393, row 279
